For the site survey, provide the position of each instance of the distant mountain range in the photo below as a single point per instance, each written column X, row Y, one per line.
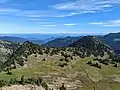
column 60, row 40
column 13, row 39
column 21, row 40
column 112, row 39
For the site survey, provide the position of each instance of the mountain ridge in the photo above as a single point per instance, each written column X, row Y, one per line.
column 61, row 42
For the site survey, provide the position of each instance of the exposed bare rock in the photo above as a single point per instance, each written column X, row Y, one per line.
column 21, row 87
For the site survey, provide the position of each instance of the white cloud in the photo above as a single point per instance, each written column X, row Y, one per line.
column 9, row 10
column 48, row 14
column 87, row 6
column 36, row 14
column 52, row 24
column 69, row 14
column 73, row 8
column 96, row 23
column 70, row 24
column 49, row 25
column 111, row 23
column 33, row 19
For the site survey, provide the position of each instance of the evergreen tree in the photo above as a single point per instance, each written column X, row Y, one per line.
column 23, row 80
column 63, row 87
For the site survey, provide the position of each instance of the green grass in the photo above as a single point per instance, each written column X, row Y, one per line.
column 89, row 76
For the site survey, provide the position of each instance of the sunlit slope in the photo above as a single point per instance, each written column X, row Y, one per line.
column 77, row 75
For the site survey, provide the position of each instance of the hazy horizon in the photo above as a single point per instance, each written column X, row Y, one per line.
column 88, row 33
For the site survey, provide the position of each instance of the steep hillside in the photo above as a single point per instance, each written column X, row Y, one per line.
column 61, row 42
column 113, row 40
column 92, row 45
column 19, row 57
column 6, row 49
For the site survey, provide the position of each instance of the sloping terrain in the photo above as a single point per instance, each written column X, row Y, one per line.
column 91, row 45
column 84, row 47
column 77, row 75
column 82, row 66
column 61, row 42
column 113, row 40
column 19, row 57
column 6, row 49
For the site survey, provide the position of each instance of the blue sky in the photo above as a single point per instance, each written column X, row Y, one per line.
column 59, row 16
